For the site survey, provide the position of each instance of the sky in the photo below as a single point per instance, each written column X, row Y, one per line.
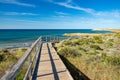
column 59, row 14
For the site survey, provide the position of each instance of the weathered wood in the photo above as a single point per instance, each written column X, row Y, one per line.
column 51, row 66
column 12, row 72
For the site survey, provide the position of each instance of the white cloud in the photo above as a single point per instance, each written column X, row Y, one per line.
column 16, row 3
column 114, row 13
column 17, row 13
column 61, row 13
column 78, row 23
column 70, row 4
column 59, row 16
column 88, row 10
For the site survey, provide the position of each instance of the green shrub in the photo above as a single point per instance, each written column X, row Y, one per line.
column 67, row 42
column 114, row 60
column 109, row 44
column 80, row 48
column 91, row 41
column 98, row 39
column 92, row 52
column 84, row 41
column 68, row 51
column 117, row 35
column 24, row 49
column 1, row 57
column 95, row 47
column 77, row 41
column 111, row 40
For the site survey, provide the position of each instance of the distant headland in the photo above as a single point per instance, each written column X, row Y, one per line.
column 107, row 29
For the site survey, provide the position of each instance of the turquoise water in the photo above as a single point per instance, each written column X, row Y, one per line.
column 24, row 37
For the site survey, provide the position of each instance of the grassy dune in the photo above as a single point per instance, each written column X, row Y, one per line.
column 98, row 57
column 8, row 57
column 81, row 34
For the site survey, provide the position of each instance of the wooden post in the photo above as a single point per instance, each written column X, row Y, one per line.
column 58, row 38
column 55, row 38
column 46, row 38
column 50, row 38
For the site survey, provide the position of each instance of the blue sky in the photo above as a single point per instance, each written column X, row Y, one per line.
column 59, row 14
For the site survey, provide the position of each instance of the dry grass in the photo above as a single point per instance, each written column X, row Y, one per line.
column 95, row 70
column 95, row 56
column 82, row 34
column 9, row 57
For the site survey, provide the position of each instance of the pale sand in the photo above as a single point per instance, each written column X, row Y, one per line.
column 81, row 34
column 107, row 29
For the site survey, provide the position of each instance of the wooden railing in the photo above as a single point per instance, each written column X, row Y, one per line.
column 56, row 38
column 12, row 72
column 31, row 56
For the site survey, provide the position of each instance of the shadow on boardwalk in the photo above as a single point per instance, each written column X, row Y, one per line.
column 76, row 73
column 36, row 66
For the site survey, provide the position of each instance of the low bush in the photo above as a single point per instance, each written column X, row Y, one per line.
column 8, row 57
column 68, row 42
column 114, row 60
column 68, row 51
column 92, row 52
column 98, row 39
column 97, row 47
column 80, row 48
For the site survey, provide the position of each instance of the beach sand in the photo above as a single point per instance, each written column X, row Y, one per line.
column 81, row 34
column 107, row 29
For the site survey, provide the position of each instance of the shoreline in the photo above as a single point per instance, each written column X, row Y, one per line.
column 107, row 29
column 82, row 34
column 15, row 45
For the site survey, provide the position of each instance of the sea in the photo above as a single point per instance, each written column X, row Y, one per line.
column 15, row 38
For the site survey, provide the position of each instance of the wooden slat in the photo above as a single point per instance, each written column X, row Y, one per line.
column 51, row 69
column 45, row 68
column 51, row 66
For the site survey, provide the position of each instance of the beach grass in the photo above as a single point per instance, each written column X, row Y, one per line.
column 8, row 57
column 98, row 57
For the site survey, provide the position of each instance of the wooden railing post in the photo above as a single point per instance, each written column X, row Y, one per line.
column 50, row 38
column 46, row 38
column 12, row 72
column 29, row 74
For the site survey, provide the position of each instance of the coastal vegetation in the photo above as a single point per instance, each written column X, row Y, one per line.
column 8, row 57
column 97, row 56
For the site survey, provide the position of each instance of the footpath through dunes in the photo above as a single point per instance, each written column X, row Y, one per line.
column 50, row 66
column 40, row 61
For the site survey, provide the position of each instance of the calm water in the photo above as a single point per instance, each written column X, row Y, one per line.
column 19, row 38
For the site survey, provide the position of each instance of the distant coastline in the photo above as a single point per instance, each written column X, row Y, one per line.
column 14, row 38
column 81, row 34
column 107, row 29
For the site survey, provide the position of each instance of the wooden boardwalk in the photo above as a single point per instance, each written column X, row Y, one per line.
column 44, row 65
column 50, row 65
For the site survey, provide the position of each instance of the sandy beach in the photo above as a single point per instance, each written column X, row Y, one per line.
column 81, row 34
column 107, row 29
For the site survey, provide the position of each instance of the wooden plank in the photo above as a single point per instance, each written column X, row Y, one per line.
column 62, row 71
column 47, row 59
column 51, row 67
column 45, row 71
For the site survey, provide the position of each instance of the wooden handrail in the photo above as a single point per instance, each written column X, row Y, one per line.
column 12, row 72
column 53, row 38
